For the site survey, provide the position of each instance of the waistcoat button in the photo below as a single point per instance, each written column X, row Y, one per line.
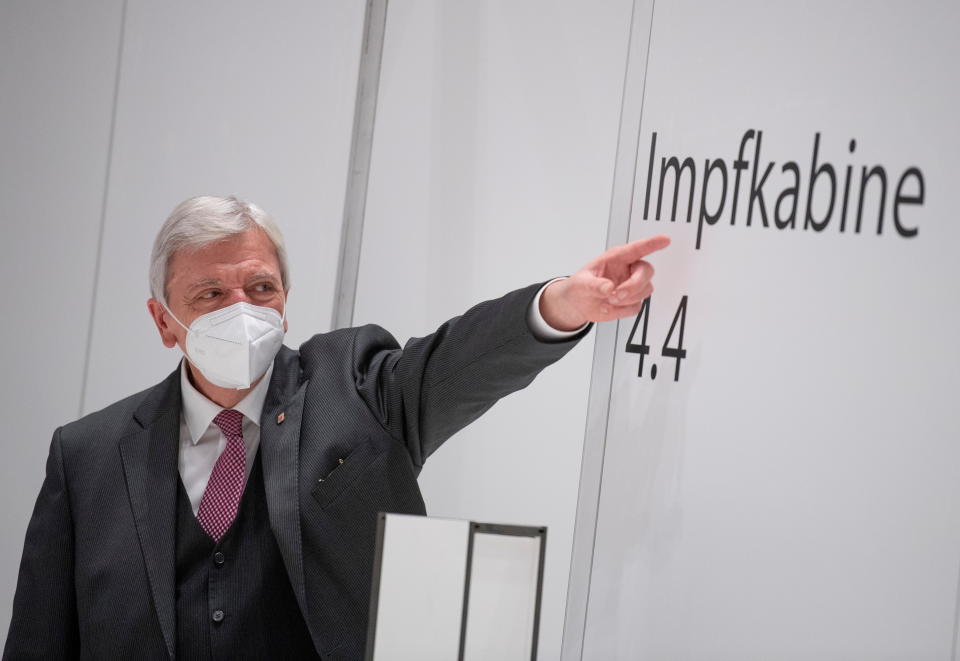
column 218, row 616
column 218, row 558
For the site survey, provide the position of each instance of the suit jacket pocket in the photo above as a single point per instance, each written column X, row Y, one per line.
column 327, row 488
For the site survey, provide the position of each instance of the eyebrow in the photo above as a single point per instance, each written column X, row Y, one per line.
column 215, row 282
column 210, row 282
column 262, row 275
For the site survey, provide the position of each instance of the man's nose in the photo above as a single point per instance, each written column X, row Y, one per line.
column 232, row 296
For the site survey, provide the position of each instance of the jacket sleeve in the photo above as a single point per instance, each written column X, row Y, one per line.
column 438, row 384
column 44, row 623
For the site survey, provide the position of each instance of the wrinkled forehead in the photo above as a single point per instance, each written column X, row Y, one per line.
column 231, row 262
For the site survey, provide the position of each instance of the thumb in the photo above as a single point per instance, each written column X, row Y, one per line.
column 599, row 286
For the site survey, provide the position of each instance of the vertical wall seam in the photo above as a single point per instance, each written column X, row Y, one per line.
column 604, row 353
column 103, row 211
column 358, row 173
column 606, row 426
column 612, row 240
column 597, row 357
column 956, row 620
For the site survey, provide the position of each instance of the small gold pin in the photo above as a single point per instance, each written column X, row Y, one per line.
column 281, row 417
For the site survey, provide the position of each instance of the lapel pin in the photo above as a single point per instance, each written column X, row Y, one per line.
column 281, row 417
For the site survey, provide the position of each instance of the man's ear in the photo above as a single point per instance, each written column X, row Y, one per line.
column 286, row 299
column 159, row 315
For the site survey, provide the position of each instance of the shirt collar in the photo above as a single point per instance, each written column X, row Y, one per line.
column 199, row 412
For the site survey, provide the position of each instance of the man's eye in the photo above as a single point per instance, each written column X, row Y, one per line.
column 264, row 286
column 208, row 295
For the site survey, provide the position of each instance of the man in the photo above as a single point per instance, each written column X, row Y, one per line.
column 230, row 511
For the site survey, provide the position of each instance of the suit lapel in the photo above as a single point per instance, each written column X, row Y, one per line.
column 150, row 462
column 149, row 456
column 280, row 456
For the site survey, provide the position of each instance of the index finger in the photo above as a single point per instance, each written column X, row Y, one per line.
column 637, row 250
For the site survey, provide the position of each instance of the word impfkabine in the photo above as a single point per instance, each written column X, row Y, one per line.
column 785, row 211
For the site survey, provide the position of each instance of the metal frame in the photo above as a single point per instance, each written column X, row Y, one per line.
column 604, row 352
column 375, row 586
column 484, row 528
column 514, row 531
column 358, row 174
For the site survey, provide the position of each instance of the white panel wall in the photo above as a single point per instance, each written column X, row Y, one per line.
column 492, row 165
column 218, row 98
column 57, row 68
column 795, row 494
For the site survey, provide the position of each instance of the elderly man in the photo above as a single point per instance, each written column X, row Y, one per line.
column 230, row 511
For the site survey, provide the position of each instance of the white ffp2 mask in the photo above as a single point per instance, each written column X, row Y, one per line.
column 233, row 346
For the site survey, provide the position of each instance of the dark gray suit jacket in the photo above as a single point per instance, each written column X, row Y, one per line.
column 97, row 576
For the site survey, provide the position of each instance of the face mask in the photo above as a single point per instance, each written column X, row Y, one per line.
column 233, row 346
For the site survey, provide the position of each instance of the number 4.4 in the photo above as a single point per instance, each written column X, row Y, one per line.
column 677, row 352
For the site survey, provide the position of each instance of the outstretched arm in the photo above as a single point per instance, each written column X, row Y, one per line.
column 439, row 383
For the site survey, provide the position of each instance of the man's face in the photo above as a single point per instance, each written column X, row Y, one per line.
column 241, row 268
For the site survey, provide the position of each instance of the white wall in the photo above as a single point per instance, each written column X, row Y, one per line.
column 492, row 165
column 795, row 494
column 57, row 69
column 213, row 98
column 221, row 98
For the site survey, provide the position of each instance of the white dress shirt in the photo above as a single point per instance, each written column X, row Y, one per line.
column 539, row 326
column 201, row 441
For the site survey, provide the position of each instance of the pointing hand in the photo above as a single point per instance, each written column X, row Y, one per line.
column 611, row 286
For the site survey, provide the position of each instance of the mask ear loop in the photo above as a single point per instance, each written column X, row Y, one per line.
column 174, row 317
column 170, row 312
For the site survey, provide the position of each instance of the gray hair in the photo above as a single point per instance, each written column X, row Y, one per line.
column 200, row 221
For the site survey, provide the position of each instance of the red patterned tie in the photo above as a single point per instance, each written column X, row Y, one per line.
column 218, row 507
